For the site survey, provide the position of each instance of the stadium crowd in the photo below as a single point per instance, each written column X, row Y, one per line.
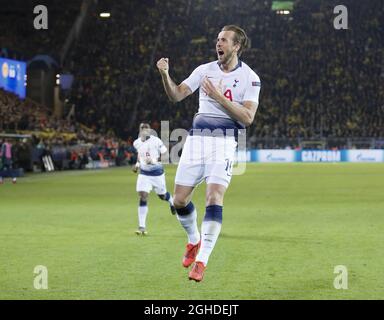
column 18, row 37
column 70, row 144
column 316, row 81
column 26, row 115
column 327, row 85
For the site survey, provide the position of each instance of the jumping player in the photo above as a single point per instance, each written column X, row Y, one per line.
column 149, row 149
column 228, row 101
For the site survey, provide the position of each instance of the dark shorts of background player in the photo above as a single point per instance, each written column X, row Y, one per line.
column 6, row 164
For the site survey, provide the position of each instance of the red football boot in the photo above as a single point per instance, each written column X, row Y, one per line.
column 197, row 271
column 190, row 254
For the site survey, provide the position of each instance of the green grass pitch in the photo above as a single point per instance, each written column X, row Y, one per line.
column 285, row 228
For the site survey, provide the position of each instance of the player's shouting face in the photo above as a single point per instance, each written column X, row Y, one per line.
column 225, row 47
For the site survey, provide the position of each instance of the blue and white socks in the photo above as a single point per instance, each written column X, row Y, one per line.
column 142, row 212
column 210, row 230
column 168, row 198
column 188, row 219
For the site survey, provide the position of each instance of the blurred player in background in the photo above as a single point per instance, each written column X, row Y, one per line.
column 6, row 160
column 151, row 175
column 228, row 100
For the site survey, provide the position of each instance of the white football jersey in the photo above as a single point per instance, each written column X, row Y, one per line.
column 239, row 85
column 150, row 149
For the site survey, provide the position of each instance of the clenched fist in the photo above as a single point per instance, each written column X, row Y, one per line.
column 163, row 65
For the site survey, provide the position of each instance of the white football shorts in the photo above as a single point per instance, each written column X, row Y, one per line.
column 206, row 158
column 147, row 183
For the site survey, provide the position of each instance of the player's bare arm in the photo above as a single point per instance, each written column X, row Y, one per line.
column 174, row 92
column 244, row 113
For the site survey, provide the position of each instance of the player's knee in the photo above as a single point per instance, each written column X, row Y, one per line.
column 179, row 201
column 214, row 197
column 143, row 196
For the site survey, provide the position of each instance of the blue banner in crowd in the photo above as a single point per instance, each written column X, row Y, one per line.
column 284, row 156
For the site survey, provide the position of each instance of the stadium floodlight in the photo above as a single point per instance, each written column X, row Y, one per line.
column 105, row 15
column 282, row 7
column 283, row 12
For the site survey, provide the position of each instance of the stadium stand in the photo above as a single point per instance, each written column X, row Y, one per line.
column 66, row 141
column 322, row 87
column 18, row 38
column 311, row 87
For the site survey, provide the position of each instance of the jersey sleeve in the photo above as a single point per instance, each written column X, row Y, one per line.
column 194, row 80
column 252, row 90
